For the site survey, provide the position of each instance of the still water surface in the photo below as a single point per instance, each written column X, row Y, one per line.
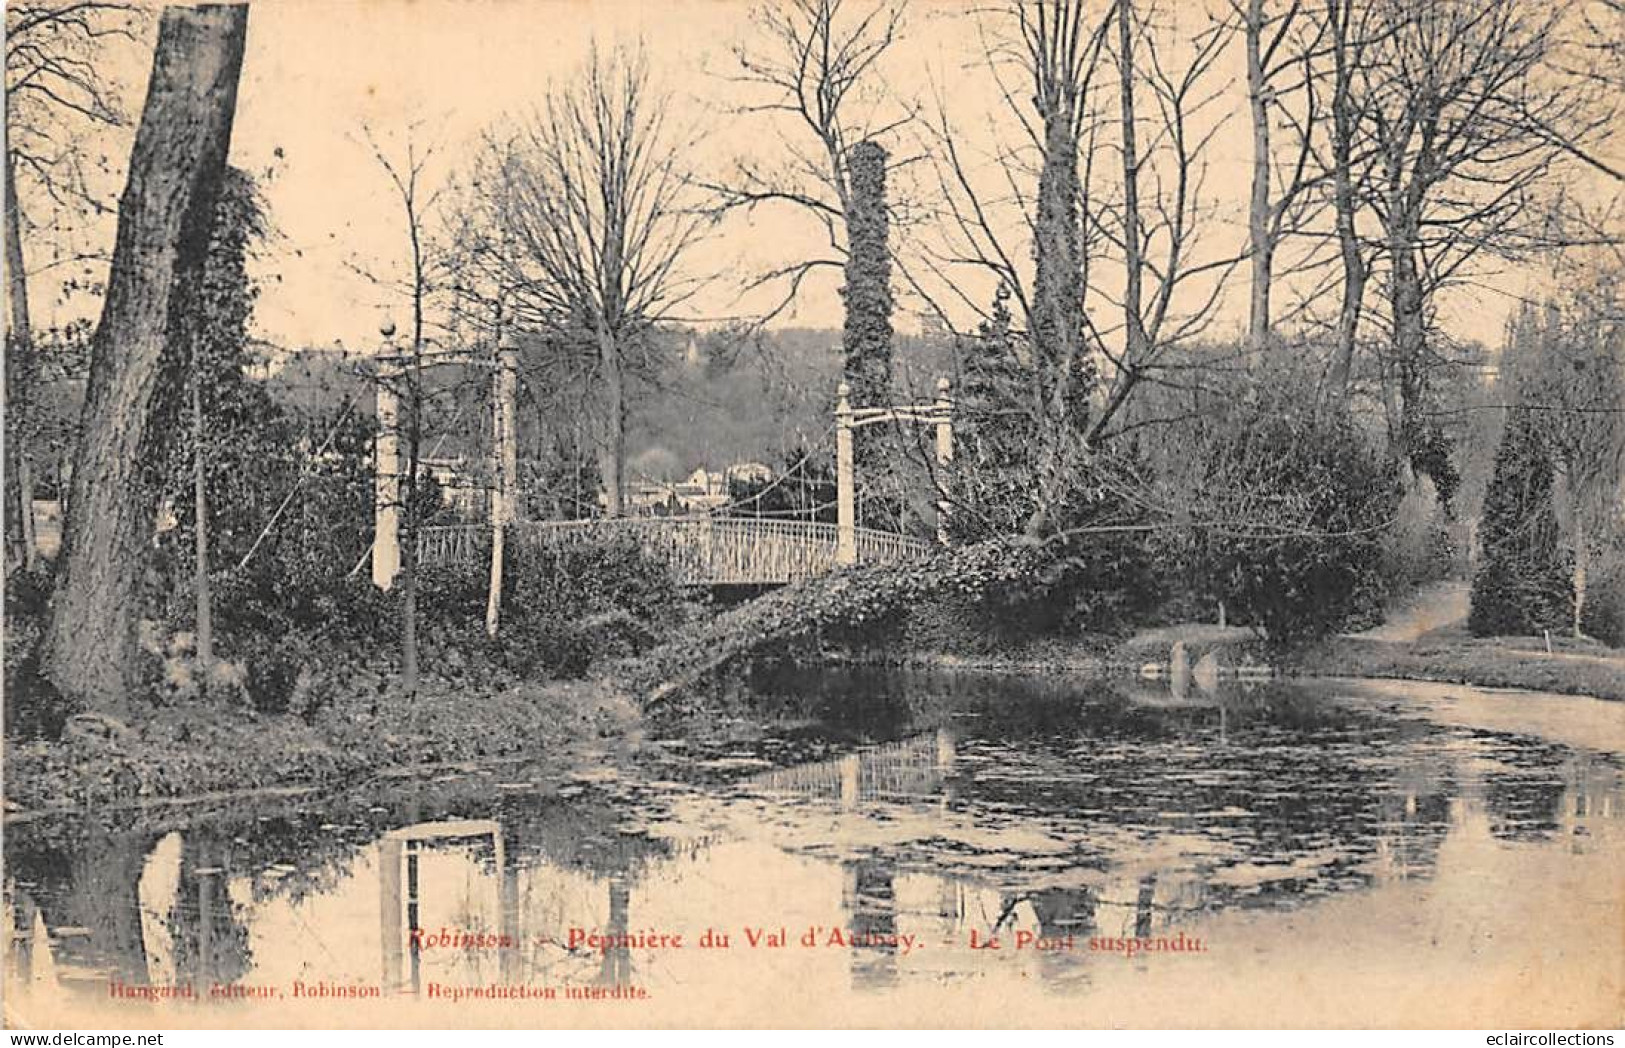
column 1335, row 852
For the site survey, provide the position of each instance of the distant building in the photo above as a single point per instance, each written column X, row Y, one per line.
column 700, row 492
column 460, row 491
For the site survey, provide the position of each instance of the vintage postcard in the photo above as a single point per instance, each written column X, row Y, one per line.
column 815, row 514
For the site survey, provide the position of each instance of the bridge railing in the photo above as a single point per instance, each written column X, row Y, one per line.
column 700, row 550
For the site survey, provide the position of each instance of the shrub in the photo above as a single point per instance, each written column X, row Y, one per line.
column 273, row 673
column 1604, row 614
column 565, row 609
column 593, row 576
column 1291, row 517
column 1419, row 548
column 33, row 706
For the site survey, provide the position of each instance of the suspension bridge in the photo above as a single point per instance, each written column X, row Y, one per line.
column 699, row 550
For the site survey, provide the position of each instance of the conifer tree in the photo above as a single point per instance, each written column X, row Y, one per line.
column 1522, row 584
column 995, row 430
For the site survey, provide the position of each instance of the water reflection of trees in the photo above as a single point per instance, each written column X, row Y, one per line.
column 1315, row 795
column 1308, row 795
column 207, row 931
column 869, row 898
column 1524, row 799
column 552, row 835
column 84, row 882
column 88, row 899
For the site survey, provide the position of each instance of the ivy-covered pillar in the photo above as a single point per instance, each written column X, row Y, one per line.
column 846, row 516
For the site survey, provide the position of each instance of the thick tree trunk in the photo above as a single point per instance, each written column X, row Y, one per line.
column 20, row 380
column 1262, row 253
column 1409, row 335
column 867, row 332
column 165, row 219
column 1134, row 336
column 1058, row 275
column 1057, row 334
column 1136, row 341
column 204, row 615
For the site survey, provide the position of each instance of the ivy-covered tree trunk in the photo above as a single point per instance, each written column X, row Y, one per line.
column 867, row 293
column 1409, row 337
column 867, row 339
column 165, row 219
column 1063, row 373
column 1058, row 274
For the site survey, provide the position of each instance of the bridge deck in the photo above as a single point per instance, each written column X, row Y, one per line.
column 702, row 551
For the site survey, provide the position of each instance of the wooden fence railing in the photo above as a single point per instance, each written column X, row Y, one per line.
column 711, row 551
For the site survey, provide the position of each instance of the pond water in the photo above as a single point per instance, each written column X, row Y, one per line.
column 855, row 847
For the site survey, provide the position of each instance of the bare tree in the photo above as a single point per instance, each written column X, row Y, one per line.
column 1059, row 54
column 591, row 228
column 1280, row 69
column 1025, row 230
column 407, row 176
column 1078, row 234
column 1158, row 224
column 814, row 64
column 165, row 219
column 1461, row 125
column 1346, row 42
column 1590, row 56
column 54, row 89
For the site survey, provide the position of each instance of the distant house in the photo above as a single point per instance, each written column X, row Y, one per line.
column 460, row 491
column 700, row 492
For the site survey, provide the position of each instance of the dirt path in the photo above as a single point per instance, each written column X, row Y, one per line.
column 1432, row 607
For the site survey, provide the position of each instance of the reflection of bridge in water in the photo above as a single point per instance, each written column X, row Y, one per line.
column 197, row 907
column 911, row 769
column 701, row 551
column 403, row 896
column 400, row 926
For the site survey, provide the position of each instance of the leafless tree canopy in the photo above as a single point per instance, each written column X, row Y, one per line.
column 589, row 221
column 810, row 71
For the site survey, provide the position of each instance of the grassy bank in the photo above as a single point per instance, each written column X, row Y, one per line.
column 1451, row 657
column 1487, row 662
column 206, row 747
column 1088, row 655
